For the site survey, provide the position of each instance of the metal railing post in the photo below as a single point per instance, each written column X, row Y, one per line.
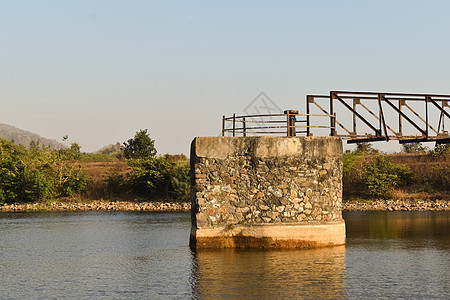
column 334, row 124
column 243, row 127
column 426, row 114
column 288, row 125
column 308, row 99
column 332, row 119
column 290, row 120
column 234, row 124
column 223, row 125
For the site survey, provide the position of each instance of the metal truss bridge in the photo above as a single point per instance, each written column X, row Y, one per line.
column 355, row 117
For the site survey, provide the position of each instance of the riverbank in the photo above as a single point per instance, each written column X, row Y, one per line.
column 97, row 206
column 396, row 205
column 353, row 205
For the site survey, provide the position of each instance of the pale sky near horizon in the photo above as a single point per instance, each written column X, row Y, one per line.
column 99, row 71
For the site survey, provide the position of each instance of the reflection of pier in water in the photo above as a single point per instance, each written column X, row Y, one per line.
column 289, row 274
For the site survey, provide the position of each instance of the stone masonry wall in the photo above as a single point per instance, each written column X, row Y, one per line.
column 265, row 180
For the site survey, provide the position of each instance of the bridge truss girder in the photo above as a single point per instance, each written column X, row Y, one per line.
column 367, row 111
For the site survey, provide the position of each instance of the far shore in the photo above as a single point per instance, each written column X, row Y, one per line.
column 161, row 206
column 98, row 205
column 396, row 205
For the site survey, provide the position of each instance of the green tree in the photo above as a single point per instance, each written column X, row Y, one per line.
column 365, row 148
column 141, row 146
column 415, row 147
column 71, row 153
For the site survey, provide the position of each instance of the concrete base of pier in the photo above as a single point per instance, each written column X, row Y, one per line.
column 295, row 236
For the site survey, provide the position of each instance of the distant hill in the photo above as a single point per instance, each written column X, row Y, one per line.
column 112, row 149
column 22, row 137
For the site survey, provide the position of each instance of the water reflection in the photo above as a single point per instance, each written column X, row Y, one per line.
column 397, row 255
column 105, row 255
column 415, row 229
column 292, row 274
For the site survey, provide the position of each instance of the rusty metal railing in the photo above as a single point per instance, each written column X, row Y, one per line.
column 375, row 116
column 355, row 117
column 291, row 123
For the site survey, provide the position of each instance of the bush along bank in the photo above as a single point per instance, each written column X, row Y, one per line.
column 409, row 177
column 32, row 177
column 40, row 174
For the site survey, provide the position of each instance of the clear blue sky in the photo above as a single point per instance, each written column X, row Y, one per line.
column 101, row 70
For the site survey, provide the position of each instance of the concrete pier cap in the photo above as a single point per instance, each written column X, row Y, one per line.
column 266, row 192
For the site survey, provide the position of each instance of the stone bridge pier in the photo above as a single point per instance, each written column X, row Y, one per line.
column 266, row 192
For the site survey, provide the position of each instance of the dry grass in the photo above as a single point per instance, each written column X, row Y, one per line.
column 420, row 163
column 431, row 179
column 99, row 172
column 399, row 195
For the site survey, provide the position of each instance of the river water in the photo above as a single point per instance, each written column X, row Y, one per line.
column 127, row 255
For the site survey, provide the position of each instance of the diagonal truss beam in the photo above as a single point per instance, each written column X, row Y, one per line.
column 403, row 115
column 382, row 120
column 376, row 117
column 377, row 131
column 440, row 108
column 325, row 112
column 420, row 118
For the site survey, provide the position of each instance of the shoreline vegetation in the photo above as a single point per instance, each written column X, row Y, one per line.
column 132, row 177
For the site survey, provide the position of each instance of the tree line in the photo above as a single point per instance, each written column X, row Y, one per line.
column 41, row 174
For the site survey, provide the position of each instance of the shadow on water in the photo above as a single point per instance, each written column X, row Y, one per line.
column 288, row 274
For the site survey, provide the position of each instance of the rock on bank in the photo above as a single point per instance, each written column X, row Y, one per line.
column 97, row 205
column 397, row 205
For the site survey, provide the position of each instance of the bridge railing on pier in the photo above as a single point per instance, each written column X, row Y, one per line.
column 355, row 117
column 291, row 123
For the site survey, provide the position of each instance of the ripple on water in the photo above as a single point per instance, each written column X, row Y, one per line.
column 117, row 255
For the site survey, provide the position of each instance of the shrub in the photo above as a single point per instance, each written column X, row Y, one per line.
column 383, row 176
column 115, row 181
column 73, row 181
column 180, row 180
column 150, row 175
column 37, row 174
column 441, row 151
column 353, row 166
column 441, row 178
